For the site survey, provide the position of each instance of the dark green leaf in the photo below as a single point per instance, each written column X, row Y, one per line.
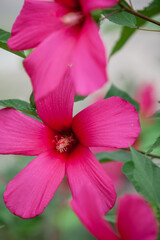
column 126, row 33
column 150, row 11
column 96, row 16
column 32, row 101
column 144, row 175
column 153, row 4
column 157, row 115
column 155, row 145
column 124, row 19
column 114, row 91
column 79, row 98
column 121, row 156
column 18, row 105
column 4, row 36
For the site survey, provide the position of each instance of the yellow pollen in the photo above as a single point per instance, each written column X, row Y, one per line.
column 64, row 144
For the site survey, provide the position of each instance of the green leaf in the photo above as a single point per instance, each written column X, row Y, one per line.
column 79, row 98
column 32, row 101
column 155, row 145
column 124, row 19
column 27, row 52
column 157, row 115
column 121, row 156
column 144, row 175
column 126, row 33
column 18, row 105
column 149, row 134
column 96, row 15
column 114, row 91
column 127, row 169
column 111, row 218
column 153, row 4
column 4, row 36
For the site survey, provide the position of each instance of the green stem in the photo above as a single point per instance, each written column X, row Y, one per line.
column 144, row 153
column 132, row 11
column 131, row 4
column 149, row 155
column 111, row 14
column 151, row 30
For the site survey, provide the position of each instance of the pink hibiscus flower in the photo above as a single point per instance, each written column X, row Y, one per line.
column 64, row 35
column 135, row 218
column 62, row 144
column 146, row 96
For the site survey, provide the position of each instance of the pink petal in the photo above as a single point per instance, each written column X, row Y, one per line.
column 69, row 3
column 90, row 5
column 37, row 20
column 82, row 168
column 87, row 207
column 102, row 149
column 112, row 122
column 114, row 171
column 56, row 108
column 20, row 134
column 136, row 219
column 48, row 63
column 33, row 188
column 89, row 60
column 113, row 168
column 147, row 99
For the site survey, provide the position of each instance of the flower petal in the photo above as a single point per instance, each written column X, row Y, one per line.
column 112, row 122
column 90, row 5
column 46, row 66
column 87, row 208
column 146, row 96
column 136, row 219
column 96, row 150
column 33, row 188
column 37, row 20
column 114, row 171
column 56, row 108
column 20, row 134
column 83, row 167
column 69, row 3
column 89, row 60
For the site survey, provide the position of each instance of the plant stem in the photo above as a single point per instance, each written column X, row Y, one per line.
column 151, row 30
column 149, row 155
column 132, row 11
column 144, row 153
column 111, row 14
column 131, row 4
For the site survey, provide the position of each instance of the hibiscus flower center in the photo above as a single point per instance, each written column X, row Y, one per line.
column 64, row 143
column 73, row 18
